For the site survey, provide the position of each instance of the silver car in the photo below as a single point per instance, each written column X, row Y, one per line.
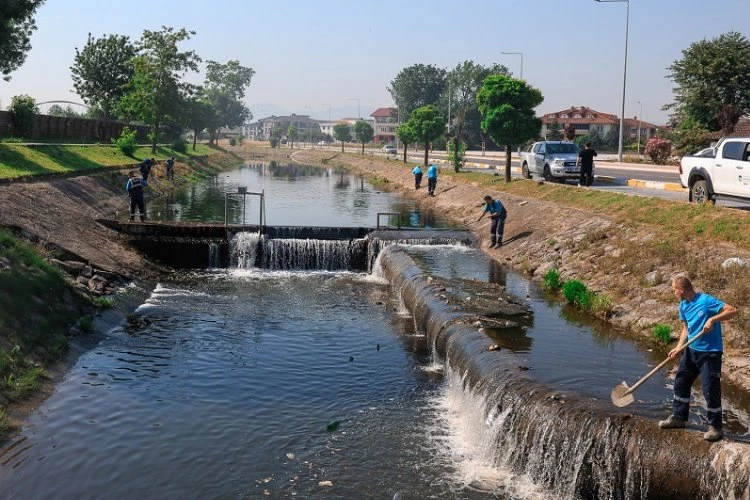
column 553, row 160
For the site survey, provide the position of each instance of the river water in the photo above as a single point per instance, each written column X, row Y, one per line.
column 248, row 383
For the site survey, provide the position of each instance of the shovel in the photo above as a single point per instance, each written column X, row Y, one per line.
column 622, row 395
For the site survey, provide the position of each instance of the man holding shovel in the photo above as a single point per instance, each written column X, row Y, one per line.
column 498, row 215
column 700, row 313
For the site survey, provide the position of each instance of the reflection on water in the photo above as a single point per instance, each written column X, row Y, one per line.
column 295, row 195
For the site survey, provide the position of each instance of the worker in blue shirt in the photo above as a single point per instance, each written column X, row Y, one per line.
column 498, row 215
column 417, row 171
column 432, row 175
column 134, row 187
column 699, row 312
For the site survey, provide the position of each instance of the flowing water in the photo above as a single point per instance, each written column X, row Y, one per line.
column 250, row 383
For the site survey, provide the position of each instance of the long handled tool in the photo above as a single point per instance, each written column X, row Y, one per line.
column 622, row 395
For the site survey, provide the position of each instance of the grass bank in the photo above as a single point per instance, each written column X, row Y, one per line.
column 19, row 161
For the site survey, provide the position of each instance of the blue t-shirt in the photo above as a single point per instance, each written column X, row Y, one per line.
column 432, row 172
column 494, row 207
column 695, row 313
column 416, row 170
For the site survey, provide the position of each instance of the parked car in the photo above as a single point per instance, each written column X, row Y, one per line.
column 389, row 149
column 553, row 160
column 322, row 143
column 725, row 174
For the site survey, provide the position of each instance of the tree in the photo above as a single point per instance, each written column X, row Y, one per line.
column 155, row 90
column 342, row 132
column 364, row 132
column 507, row 108
column 291, row 135
column 102, row 70
column 67, row 111
column 569, row 132
column 23, row 111
column 554, row 131
column 198, row 114
column 417, row 86
column 727, row 117
column 427, row 124
column 710, row 75
column 406, row 134
column 460, row 100
column 16, row 25
column 224, row 89
column 612, row 138
column 658, row 150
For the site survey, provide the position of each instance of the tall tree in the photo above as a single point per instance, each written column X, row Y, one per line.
column 291, row 135
column 23, row 111
column 460, row 99
column 364, row 132
column 507, row 108
column 224, row 89
column 727, row 117
column 710, row 75
column 102, row 70
column 155, row 90
column 416, row 86
column 342, row 132
column 554, row 132
column 198, row 114
column 406, row 135
column 16, row 25
column 426, row 124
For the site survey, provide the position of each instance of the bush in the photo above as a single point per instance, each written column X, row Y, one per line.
column 662, row 333
column 126, row 142
column 576, row 293
column 274, row 142
column 179, row 145
column 659, row 150
column 456, row 158
column 240, row 139
column 23, row 110
column 232, row 141
column 552, row 280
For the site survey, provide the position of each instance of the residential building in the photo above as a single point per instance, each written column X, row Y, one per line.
column 586, row 120
column 385, row 124
column 306, row 126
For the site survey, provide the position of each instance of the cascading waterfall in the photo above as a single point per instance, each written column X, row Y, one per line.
column 244, row 249
column 214, row 255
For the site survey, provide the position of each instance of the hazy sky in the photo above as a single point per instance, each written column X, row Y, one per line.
column 308, row 54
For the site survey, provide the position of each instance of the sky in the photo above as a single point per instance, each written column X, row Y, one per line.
column 339, row 56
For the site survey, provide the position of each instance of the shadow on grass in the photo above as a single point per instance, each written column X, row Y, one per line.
column 15, row 164
column 69, row 161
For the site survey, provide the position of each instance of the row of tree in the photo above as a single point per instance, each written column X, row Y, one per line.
column 144, row 81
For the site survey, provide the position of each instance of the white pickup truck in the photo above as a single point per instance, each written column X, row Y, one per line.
column 721, row 173
column 553, row 160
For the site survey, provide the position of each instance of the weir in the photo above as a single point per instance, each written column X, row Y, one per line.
column 575, row 447
column 192, row 245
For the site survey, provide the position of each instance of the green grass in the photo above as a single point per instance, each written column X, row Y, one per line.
column 552, row 280
column 662, row 333
column 17, row 160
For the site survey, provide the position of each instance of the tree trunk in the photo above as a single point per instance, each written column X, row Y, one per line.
column 156, row 133
column 456, row 164
column 507, row 163
column 195, row 138
column 405, row 152
column 426, row 153
column 363, row 148
column 342, row 146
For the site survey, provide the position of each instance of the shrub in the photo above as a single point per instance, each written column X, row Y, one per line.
column 456, row 158
column 232, row 141
column 576, row 293
column 126, row 142
column 552, row 280
column 240, row 139
column 274, row 142
column 603, row 304
column 22, row 113
column 662, row 333
column 86, row 324
column 658, row 150
column 179, row 145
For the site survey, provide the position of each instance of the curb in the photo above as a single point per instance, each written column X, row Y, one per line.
column 664, row 186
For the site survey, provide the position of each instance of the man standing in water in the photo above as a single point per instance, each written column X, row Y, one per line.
column 134, row 187
column 699, row 312
column 497, row 215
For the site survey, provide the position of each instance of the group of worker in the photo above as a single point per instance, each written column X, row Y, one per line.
column 136, row 185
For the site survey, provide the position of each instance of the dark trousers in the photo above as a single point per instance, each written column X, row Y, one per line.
column 497, row 228
column 587, row 175
column 137, row 202
column 431, row 185
column 708, row 366
column 417, row 180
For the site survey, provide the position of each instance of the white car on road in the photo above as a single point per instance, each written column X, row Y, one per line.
column 389, row 149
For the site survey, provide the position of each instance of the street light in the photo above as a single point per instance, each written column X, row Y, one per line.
column 640, row 118
column 517, row 54
column 359, row 113
column 624, row 72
